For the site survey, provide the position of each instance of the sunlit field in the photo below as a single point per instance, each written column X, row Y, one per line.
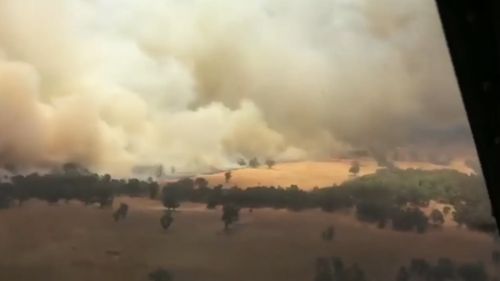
column 310, row 174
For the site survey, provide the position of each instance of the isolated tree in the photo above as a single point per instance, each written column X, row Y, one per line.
column 211, row 204
column 323, row 270
column 355, row 168
column 215, row 197
column 403, row 274
column 160, row 275
column 227, row 176
column 154, row 189
column 419, row 267
column 495, row 256
column 230, row 214
column 166, row 220
column 172, row 169
column 121, row 212
column 159, row 171
column 437, row 217
column 106, row 179
column 338, row 268
column 242, row 162
column 496, row 237
column 444, row 270
column 254, row 163
column 201, row 182
column 133, row 187
column 328, row 233
column 5, row 195
column 382, row 223
column 170, row 200
column 70, row 167
column 103, row 195
column 270, row 163
column 472, row 272
column 355, row 273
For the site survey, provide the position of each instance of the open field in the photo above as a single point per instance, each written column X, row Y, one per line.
column 73, row 242
column 309, row 174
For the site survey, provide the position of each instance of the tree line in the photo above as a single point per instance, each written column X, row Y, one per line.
column 71, row 184
column 388, row 197
column 445, row 269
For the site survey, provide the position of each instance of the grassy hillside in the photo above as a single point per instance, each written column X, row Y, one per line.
column 309, row 174
column 71, row 242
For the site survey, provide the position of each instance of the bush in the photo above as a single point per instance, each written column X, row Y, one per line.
column 160, row 275
column 472, row 272
column 495, row 257
column 254, row 163
column 409, row 219
column 230, row 214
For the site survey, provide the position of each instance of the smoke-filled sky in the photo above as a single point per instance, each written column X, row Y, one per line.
column 195, row 83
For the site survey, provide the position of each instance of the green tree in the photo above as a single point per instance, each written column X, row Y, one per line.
column 170, row 200
column 211, row 204
column 154, row 189
column 419, row 267
column 323, row 270
column 444, row 270
column 472, row 272
column 495, row 256
column 121, row 212
column 230, row 214
column 6, row 191
column 160, row 275
column 328, row 233
column 166, row 220
column 409, row 219
column 201, row 182
column 270, row 163
column 227, row 176
column 437, row 217
column 355, row 273
column 403, row 274
column 355, row 168
column 254, row 163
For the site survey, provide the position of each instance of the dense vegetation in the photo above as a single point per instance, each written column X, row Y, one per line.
column 333, row 269
column 389, row 197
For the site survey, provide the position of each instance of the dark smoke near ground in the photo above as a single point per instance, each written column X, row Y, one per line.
column 191, row 84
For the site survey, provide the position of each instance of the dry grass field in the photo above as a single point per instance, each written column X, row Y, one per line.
column 73, row 242
column 309, row 174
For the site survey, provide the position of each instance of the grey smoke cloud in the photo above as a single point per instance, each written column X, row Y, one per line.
column 199, row 84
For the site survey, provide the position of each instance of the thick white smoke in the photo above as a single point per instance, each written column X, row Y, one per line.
column 195, row 83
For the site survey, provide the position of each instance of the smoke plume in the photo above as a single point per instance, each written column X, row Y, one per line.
column 198, row 84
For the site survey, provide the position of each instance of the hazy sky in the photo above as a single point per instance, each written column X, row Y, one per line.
column 197, row 83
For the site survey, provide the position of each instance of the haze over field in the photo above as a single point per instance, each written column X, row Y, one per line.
column 199, row 84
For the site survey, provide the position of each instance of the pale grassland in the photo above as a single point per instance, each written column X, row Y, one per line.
column 73, row 242
column 309, row 174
